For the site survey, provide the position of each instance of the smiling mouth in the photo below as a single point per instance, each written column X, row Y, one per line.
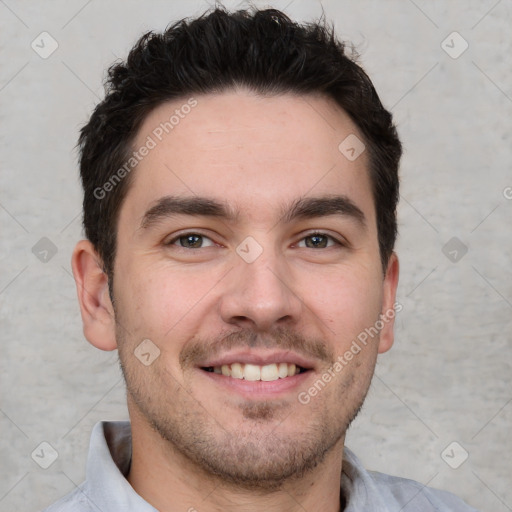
column 254, row 372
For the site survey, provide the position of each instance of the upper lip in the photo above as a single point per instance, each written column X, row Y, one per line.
column 260, row 358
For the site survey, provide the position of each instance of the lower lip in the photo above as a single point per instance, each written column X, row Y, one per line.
column 259, row 389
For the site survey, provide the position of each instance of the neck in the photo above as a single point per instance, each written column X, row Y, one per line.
column 169, row 481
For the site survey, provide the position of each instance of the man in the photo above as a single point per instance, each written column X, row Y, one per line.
column 240, row 188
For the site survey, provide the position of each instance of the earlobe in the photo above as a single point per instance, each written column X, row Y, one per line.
column 388, row 304
column 93, row 296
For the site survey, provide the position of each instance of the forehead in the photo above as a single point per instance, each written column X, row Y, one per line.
column 256, row 152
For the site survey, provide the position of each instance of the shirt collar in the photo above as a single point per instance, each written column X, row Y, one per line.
column 109, row 459
column 108, row 464
column 359, row 488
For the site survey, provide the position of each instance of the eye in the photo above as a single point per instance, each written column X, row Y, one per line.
column 191, row 241
column 318, row 241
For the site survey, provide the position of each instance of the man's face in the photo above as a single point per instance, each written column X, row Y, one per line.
column 253, row 293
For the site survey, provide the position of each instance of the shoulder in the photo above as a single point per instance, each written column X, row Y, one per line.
column 371, row 490
column 415, row 497
column 75, row 501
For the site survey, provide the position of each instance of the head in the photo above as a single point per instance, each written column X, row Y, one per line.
column 240, row 189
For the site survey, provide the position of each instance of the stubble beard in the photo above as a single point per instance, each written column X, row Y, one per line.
column 259, row 456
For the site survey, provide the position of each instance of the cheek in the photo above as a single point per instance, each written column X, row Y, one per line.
column 158, row 304
column 347, row 303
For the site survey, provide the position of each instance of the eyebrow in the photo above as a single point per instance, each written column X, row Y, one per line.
column 312, row 207
column 302, row 208
column 170, row 206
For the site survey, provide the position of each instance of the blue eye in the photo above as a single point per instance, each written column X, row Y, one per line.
column 318, row 241
column 191, row 241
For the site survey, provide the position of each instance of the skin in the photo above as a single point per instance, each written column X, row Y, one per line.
column 197, row 442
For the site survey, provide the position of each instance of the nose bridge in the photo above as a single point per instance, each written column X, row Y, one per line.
column 259, row 291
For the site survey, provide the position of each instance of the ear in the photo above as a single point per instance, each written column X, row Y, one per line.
column 388, row 312
column 93, row 296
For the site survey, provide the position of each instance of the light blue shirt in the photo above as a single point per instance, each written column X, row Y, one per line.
column 107, row 490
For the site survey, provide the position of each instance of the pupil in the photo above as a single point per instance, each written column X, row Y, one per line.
column 317, row 241
column 191, row 240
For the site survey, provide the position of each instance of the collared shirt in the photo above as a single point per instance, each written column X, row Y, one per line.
column 107, row 490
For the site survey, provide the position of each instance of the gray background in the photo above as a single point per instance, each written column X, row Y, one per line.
column 448, row 377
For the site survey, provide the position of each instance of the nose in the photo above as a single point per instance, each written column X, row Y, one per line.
column 260, row 295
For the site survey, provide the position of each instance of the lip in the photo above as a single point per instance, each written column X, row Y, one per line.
column 260, row 358
column 258, row 390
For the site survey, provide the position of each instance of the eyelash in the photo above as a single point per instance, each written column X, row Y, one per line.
column 309, row 235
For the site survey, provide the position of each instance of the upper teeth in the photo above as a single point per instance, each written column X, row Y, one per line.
column 254, row 372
